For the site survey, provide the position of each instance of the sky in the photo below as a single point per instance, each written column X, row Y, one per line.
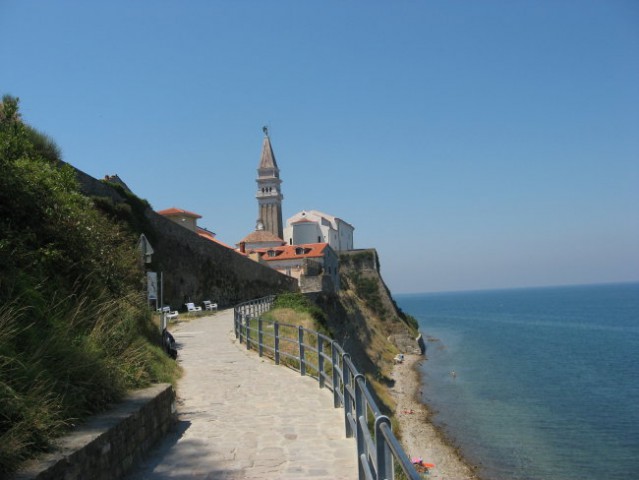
column 474, row 144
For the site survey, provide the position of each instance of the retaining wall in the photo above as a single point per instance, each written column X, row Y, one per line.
column 194, row 268
column 109, row 444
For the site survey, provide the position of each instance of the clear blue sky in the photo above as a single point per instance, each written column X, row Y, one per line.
column 475, row 144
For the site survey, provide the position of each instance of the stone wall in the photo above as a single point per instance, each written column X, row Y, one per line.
column 111, row 443
column 365, row 258
column 194, row 268
column 316, row 283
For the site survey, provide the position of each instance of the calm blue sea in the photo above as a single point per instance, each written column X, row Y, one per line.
column 546, row 382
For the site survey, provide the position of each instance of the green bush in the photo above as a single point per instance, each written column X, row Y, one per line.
column 368, row 290
column 300, row 303
column 75, row 331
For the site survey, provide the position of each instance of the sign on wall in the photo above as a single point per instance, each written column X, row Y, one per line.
column 152, row 285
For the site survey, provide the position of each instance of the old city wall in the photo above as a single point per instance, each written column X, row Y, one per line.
column 194, row 268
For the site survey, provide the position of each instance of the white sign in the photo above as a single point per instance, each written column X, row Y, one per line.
column 152, row 285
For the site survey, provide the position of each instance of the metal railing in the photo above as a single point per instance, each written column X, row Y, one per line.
column 317, row 355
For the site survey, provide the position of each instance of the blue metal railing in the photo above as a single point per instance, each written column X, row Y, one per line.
column 317, row 355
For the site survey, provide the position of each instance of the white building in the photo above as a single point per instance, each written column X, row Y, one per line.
column 313, row 226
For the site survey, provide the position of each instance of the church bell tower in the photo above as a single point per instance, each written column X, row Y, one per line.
column 269, row 194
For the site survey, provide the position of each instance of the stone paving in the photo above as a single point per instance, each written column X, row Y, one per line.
column 242, row 417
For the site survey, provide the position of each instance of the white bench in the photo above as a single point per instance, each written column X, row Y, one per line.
column 208, row 305
column 192, row 308
column 170, row 315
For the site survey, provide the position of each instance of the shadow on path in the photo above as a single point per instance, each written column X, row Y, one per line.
column 242, row 417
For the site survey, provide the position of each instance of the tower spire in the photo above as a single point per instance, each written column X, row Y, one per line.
column 269, row 195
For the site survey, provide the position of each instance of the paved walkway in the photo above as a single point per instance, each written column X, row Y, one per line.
column 242, row 417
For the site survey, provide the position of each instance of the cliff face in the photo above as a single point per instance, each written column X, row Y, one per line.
column 365, row 320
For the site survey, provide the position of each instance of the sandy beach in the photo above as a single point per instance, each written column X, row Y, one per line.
column 418, row 436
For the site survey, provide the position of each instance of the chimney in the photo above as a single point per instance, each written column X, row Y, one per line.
column 242, row 247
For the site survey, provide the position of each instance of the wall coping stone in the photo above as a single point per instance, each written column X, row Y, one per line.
column 109, row 442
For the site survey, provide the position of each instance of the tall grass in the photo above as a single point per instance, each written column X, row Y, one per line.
column 75, row 331
column 54, row 374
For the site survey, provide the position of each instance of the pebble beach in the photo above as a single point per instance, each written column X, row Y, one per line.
column 419, row 436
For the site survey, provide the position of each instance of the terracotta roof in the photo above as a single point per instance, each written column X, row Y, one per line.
column 258, row 236
column 287, row 252
column 202, row 232
column 178, row 211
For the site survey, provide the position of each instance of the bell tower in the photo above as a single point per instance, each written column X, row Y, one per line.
column 269, row 195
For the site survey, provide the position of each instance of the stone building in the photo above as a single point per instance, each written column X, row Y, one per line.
column 312, row 238
column 182, row 217
column 269, row 193
column 260, row 238
column 188, row 220
column 315, row 265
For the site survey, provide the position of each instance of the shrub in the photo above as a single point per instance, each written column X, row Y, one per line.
column 300, row 303
column 75, row 331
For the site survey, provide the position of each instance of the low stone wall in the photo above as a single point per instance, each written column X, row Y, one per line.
column 111, row 443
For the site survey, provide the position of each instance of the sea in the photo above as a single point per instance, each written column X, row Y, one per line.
column 535, row 383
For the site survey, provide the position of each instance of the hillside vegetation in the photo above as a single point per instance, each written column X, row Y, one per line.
column 362, row 317
column 75, row 331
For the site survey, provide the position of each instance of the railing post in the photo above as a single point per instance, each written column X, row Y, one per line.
column 359, row 419
column 384, row 459
column 320, row 360
column 348, row 407
column 352, row 387
column 300, row 339
column 247, row 333
column 276, row 346
column 335, row 360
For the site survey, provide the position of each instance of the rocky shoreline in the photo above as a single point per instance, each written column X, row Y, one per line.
column 419, row 436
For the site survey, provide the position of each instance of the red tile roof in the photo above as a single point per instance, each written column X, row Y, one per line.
column 258, row 236
column 287, row 252
column 210, row 236
column 169, row 212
